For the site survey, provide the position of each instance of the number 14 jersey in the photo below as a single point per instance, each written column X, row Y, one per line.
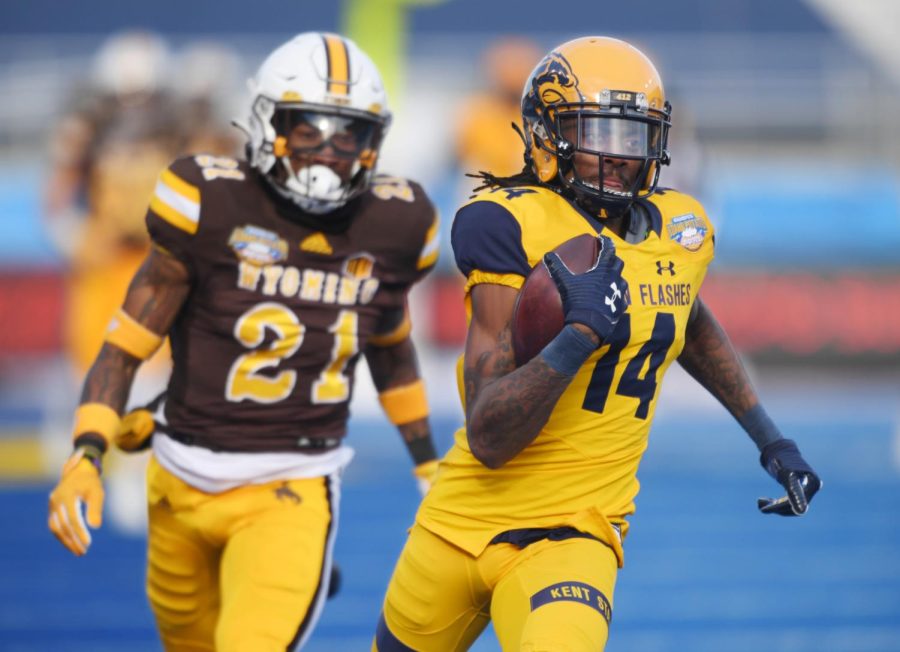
column 581, row 469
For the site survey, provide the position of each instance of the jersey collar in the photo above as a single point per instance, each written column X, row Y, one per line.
column 650, row 209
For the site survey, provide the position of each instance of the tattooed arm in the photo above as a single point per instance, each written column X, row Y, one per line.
column 505, row 407
column 394, row 367
column 156, row 294
column 709, row 357
column 154, row 298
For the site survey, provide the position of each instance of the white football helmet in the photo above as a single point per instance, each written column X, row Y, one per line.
column 315, row 92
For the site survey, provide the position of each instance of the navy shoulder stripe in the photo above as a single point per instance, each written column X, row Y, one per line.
column 486, row 237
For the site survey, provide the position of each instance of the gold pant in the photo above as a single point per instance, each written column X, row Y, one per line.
column 549, row 596
column 245, row 570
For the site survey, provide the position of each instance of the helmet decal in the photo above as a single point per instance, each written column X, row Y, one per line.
column 556, row 74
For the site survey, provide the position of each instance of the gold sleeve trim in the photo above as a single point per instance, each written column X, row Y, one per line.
column 431, row 249
column 395, row 336
column 477, row 277
column 172, row 216
column 177, row 202
column 187, row 190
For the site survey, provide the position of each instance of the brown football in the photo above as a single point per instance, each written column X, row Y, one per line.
column 538, row 314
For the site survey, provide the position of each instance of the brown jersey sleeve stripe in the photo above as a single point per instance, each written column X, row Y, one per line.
column 338, row 59
column 177, row 201
column 430, row 250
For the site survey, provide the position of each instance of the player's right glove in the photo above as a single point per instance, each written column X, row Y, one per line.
column 783, row 461
column 598, row 297
column 79, row 487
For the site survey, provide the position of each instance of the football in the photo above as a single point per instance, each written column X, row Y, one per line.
column 538, row 313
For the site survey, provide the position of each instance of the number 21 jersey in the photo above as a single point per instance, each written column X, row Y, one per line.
column 265, row 346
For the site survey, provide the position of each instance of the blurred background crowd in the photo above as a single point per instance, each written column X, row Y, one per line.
column 785, row 126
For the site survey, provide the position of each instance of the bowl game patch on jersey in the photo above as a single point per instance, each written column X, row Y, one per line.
column 687, row 230
column 257, row 246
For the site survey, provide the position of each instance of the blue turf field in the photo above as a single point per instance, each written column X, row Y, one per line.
column 704, row 572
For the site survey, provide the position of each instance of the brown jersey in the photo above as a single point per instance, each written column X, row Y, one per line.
column 265, row 347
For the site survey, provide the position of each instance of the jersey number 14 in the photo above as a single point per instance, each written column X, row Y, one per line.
column 632, row 384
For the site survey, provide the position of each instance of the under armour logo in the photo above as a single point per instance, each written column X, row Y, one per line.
column 284, row 492
column 611, row 300
column 668, row 268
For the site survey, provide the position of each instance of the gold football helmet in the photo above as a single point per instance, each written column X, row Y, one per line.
column 602, row 97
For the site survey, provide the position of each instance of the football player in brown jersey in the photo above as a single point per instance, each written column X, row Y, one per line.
column 271, row 277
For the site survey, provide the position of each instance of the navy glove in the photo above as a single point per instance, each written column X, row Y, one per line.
column 783, row 461
column 598, row 297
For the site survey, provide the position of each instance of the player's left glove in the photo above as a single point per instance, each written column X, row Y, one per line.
column 137, row 427
column 783, row 461
column 426, row 474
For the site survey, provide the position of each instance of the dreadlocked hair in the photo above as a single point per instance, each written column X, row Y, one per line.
column 489, row 180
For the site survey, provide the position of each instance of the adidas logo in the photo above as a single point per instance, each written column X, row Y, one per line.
column 317, row 244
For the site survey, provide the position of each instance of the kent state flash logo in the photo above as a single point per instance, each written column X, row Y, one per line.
column 687, row 230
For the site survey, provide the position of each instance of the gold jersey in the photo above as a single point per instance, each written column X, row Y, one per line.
column 581, row 469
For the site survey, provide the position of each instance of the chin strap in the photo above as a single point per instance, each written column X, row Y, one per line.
column 595, row 206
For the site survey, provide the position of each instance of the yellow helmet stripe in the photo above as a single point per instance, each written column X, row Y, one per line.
column 338, row 64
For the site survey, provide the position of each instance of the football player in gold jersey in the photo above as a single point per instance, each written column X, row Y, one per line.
column 271, row 278
column 526, row 521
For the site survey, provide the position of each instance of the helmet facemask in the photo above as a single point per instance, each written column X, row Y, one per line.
column 598, row 140
column 608, row 132
column 318, row 157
